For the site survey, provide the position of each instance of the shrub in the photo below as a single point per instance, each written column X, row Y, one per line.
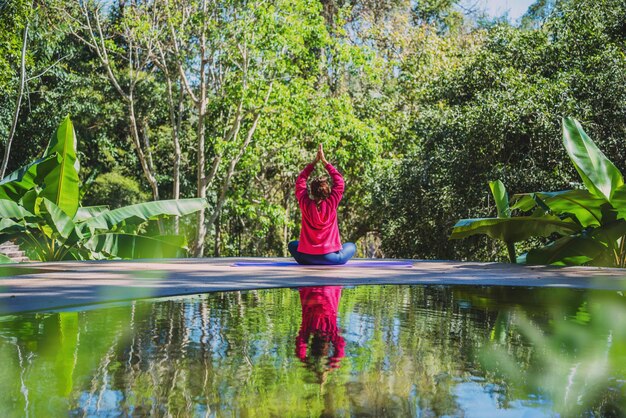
column 115, row 190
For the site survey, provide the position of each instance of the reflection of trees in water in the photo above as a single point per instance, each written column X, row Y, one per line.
column 421, row 341
column 234, row 353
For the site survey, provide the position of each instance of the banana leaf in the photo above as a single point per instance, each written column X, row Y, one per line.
column 9, row 226
column 598, row 173
column 10, row 209
column 580, row 203
column 501, row 197
column 144, row 211
column 85, row 212
column 16, row 184
column 132, row 246
column 514, row 229
column 65, row 365
column 64, row 142
column 567, row 251
column 78, row 255
column 594, row 247
column 619, row 201
column 178, row 240
column 11, row 230
column 31, row 201
column 58, row 220
column 609, row 233
column 61, row 179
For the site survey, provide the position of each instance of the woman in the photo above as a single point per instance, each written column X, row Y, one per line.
column 319, row 235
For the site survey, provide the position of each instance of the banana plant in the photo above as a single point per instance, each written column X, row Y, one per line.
column 600, row 208
column 50, row 235
column 40, row 209
column 511, row 229
column 596, row 214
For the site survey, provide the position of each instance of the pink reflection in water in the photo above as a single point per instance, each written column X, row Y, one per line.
column 319, row 325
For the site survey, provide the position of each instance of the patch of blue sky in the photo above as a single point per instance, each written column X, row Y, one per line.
column 513, row 8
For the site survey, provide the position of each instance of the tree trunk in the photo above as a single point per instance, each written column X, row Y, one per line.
column 286, row 227
column 18, row 104
column 218, row 231
column 201, row 176
column 201, row 105
column 175, row 126
column 510, row 247
column 134, row 131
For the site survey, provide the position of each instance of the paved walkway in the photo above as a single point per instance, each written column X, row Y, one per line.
column 44, row 286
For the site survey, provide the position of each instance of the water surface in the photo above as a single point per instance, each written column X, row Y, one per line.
column 417, row 351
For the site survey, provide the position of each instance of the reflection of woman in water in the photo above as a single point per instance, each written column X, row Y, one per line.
column 319, row 324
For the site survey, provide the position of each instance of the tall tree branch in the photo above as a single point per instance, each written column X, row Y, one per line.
column 18, row 103
column 235, row 161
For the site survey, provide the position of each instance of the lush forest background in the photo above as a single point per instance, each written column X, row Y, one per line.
column 418, row 103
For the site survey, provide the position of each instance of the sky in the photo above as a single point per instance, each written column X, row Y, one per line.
column 516, row 8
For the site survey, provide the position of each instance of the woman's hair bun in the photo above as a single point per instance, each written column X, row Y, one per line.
column 320, row 189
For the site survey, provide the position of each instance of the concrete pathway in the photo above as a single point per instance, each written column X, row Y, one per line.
column 45, row 286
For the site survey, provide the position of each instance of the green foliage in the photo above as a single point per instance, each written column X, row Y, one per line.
column 574, row 356
column 5, row 259
column 115, row 190
column 501, row 197
column 602, row 244
column 50, row 235
column 585, row 207
column 515, row 229
column 440, row 13
column 493, row 112
column 13, row 16
column 131, row 246
column 591, row 223
column 56, row 173
column 57, row 230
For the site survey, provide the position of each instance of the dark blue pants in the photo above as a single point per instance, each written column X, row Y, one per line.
column 340, row 257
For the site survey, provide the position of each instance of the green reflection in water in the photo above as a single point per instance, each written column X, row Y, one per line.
column 393, row 351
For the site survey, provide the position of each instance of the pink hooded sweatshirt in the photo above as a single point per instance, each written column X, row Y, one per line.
column 319, row 233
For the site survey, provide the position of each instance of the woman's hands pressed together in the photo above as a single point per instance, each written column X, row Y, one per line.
column 320, row 155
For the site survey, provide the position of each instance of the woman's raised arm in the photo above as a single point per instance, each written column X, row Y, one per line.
column 301, row 191
column 338, row 184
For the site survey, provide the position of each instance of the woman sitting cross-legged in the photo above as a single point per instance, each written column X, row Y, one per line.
column 319, row 234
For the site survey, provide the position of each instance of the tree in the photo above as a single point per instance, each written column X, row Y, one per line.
column 126, row 65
